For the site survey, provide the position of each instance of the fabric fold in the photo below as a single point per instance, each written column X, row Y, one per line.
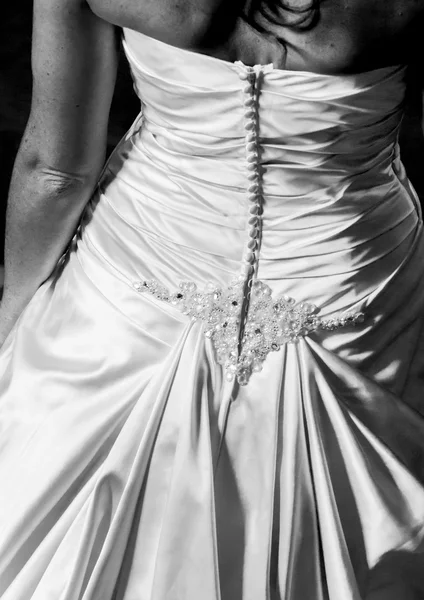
column 132, row 467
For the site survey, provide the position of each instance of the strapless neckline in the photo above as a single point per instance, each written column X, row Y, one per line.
column 234, row 65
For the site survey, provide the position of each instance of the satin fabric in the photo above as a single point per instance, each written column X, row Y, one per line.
column 131, row 469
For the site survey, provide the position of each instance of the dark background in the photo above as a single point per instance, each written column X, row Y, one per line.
column 15, row 91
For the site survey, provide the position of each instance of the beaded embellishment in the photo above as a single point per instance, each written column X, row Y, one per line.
column 269, row 324
column 243, row 320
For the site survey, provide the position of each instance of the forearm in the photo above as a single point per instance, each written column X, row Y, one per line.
column 44, row 209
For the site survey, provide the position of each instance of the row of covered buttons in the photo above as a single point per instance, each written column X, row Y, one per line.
column 249, row 78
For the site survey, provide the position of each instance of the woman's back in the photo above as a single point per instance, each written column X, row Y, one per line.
column 340, row 36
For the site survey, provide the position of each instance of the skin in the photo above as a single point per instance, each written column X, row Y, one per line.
column 351, row 35
column 74, row 60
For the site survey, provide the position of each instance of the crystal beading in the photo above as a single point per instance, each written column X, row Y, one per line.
column 270, row 322
column 244, row 322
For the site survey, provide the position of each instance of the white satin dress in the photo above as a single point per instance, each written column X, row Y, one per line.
column 218, row 395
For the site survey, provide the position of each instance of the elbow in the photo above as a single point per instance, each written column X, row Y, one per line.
column 53, row 182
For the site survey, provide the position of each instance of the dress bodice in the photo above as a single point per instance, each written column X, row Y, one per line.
column 259, row 174
column 336, row 125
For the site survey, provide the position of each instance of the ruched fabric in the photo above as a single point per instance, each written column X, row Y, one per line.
column 132, row 468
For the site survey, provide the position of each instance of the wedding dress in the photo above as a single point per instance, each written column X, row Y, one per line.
column 218, row 395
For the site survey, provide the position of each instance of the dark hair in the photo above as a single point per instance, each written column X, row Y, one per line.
column 296, row 14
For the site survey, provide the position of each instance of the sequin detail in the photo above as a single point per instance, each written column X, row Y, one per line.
column 270, row 322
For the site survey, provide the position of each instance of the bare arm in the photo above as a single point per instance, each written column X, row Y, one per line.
column 63, row 147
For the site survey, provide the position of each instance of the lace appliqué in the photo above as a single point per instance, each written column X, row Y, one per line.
column 270, row 323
